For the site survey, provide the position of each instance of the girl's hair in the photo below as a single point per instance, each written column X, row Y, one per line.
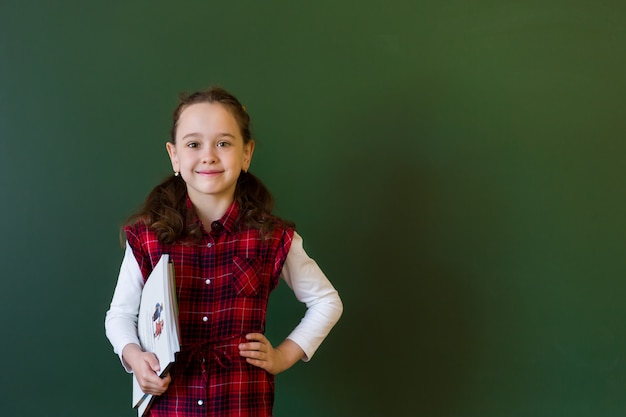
column 166, row 210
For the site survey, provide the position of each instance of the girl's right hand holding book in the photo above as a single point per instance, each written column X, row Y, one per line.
column 145, row 366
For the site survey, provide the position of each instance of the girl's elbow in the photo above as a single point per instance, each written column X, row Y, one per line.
column 338, row 308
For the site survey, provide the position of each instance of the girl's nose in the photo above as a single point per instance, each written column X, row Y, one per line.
column 209, row 155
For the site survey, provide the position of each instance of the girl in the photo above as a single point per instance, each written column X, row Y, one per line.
column 214, row 220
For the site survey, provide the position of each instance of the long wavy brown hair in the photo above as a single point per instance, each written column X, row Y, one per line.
column 165, row 210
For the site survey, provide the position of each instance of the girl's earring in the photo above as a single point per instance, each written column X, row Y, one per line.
column 176, row 173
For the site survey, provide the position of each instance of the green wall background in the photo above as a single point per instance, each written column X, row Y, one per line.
column 456, row 167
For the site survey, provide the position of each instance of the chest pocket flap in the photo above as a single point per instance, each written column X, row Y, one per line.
column 247, row 276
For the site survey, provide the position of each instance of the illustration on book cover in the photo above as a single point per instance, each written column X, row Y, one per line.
column 157, row 321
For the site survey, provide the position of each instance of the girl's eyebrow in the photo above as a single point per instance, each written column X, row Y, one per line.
column 196, row 135
column 191, row 136
column 230, row 135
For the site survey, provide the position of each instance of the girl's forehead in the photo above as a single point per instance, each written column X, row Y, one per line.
column 207, row 116
column 203, row 108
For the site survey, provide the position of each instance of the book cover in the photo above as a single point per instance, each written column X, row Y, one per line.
column 157, row 324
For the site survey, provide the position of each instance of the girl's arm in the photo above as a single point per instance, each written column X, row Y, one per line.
column 324, row 307
column 121, row 319
column 121, row 327
column 311, row 287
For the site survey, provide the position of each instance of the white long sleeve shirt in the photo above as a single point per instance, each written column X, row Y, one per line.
column 300, row 272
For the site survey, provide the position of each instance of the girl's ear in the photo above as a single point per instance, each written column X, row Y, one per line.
column 171, row 151
column 248, row 150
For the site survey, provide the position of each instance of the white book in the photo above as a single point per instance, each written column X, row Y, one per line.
column 157, row 324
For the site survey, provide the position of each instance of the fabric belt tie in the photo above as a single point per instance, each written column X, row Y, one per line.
column 202, row 351
column 206, row 351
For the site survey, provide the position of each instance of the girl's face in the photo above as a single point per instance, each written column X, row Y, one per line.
column 209, row 152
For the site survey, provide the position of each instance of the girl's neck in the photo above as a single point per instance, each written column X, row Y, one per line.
column 209, row 208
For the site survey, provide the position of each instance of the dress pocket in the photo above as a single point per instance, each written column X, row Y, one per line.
column 246, row 276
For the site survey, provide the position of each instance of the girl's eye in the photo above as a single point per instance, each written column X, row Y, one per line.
column 192, row 145
column 223, row 144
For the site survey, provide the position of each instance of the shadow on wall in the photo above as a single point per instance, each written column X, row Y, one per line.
column 409, row 332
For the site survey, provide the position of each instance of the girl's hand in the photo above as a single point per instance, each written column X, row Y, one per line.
column 145, row 366
column 259, row 352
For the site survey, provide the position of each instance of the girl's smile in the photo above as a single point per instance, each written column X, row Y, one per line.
column 209, row 172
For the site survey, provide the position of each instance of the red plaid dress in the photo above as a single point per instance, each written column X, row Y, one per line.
column 223, row 282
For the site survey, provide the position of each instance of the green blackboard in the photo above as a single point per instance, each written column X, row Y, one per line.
column 456, row 168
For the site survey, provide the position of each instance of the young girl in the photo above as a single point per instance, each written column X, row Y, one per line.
column 214, row 220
